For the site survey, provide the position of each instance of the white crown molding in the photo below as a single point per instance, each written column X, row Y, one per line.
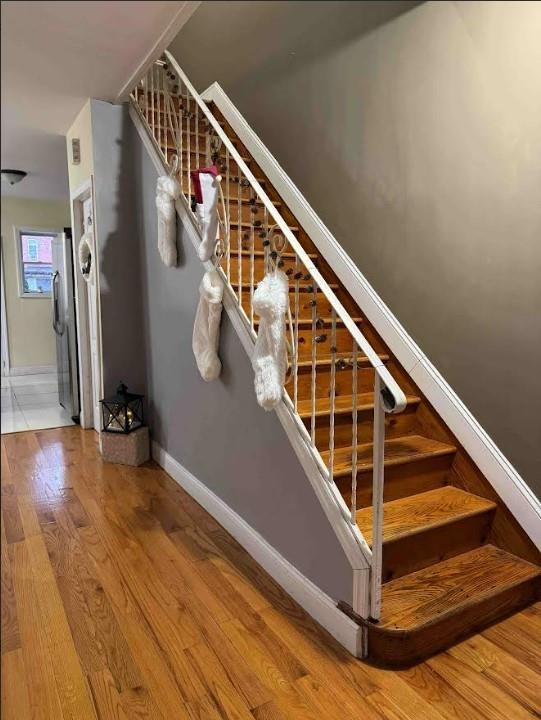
column 316, row 603
column 504, row 478
column 179, row 19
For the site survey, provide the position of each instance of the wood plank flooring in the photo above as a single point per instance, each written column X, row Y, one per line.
column 122, row 598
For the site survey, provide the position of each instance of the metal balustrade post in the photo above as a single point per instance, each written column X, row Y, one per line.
column 377, row 500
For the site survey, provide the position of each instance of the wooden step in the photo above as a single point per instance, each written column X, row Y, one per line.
column 398, row 451
column 429, row 610
column 428, row 527
column 324, row 323
column 343, row 404
column 304, row 286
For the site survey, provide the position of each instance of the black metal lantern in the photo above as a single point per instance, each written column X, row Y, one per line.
column 122, row 413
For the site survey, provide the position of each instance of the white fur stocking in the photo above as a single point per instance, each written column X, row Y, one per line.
column 167, row 191
column 206, row 330
column 269, row 360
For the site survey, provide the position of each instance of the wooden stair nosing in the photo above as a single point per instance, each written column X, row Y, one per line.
column 365, row 401
column 455, row 504
column 326, row 361
column 398, row 641
column 437, row 449
column 307, row 322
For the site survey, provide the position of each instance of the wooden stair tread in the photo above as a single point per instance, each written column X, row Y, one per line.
column 249, row 226
column 446, row 588
column 342, row 404
column 326, row 360
column 408, row 448
column 261, row 254
column 415, row 513
column 302, row 286
column 307, row 322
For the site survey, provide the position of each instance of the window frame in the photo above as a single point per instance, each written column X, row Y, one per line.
column 19, row 232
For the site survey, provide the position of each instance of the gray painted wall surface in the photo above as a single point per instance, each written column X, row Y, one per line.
column 216, row 430
column 414, row 130
column 120, row 270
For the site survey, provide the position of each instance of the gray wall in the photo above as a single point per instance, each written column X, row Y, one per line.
column 216, row 430
column 120, row 269
column 414, row 130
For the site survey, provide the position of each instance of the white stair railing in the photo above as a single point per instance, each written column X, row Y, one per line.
column 259, row 238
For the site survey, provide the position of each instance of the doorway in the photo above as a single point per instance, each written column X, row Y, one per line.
column 87, row 302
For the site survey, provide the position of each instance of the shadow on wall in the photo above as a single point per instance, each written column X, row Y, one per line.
column 120, row 267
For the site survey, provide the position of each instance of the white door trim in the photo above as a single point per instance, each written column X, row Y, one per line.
column 85, row 348
column 4, row 318
column 504, row 478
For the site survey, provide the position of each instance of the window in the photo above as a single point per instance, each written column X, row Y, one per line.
column 35, row 253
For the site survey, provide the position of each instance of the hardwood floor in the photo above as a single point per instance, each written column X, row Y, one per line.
column 122, row 598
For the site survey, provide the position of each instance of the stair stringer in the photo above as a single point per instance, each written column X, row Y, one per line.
column 496, row 468
column 354, row 545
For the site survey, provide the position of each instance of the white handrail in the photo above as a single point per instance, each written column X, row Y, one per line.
column 399, row 398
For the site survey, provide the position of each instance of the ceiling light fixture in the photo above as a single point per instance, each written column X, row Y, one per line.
column 12, row 176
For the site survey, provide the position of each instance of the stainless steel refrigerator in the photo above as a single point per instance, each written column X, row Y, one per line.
column 64, row 323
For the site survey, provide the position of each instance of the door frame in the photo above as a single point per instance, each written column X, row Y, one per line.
column 5, row 364
column 88, row 338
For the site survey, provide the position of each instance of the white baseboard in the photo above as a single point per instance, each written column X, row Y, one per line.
column 505, row 479
column 316, row 603
column 32, row 370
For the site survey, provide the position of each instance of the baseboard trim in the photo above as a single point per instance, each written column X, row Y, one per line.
column 313, row 600
column 32, row 370
column 504, row 478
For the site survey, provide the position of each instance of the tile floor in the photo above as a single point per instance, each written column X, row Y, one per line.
column 30, row 402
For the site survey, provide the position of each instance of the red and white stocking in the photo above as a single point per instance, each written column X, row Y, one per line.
column 206, row 182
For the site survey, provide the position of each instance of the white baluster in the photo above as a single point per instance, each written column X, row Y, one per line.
column 354, row 436
column 314, row 359
column 377, row 499
column 332, row 393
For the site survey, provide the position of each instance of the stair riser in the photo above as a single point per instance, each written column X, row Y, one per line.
column 417, row 551
column 197, row 161
column 402, row 425
column 344, row 341
column 323, row 309
column 343, row 381
column 406, row 648
column 259, row 269
column 246, row 193
column 400, row 480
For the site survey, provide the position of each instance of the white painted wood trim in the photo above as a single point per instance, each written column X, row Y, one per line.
column 3, row 317
column 32, row 370
column 504, row 478
column 344, row 531
column 181, row 17
column 316, row 603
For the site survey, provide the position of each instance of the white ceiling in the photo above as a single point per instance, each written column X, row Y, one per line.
column 55, row 55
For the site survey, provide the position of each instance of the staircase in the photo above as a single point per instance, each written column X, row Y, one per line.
column 445, row 556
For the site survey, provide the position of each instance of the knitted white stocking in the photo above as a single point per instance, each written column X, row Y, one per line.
column 206, row 186
column 167, row 191
column 206, row 329
column 269, row 360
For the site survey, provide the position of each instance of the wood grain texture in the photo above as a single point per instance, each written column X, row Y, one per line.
column 131, row 602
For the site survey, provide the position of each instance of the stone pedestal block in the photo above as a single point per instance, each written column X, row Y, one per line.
column 131, row 449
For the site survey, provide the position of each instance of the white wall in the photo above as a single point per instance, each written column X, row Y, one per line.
column 30, row 333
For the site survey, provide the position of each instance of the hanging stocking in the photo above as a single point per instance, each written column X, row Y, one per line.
column 206, row 183
column 167, row 191
column 270, row 302
column 206, row 330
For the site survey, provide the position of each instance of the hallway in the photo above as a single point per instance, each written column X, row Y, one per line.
column 30, row 402
column 122, row 598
